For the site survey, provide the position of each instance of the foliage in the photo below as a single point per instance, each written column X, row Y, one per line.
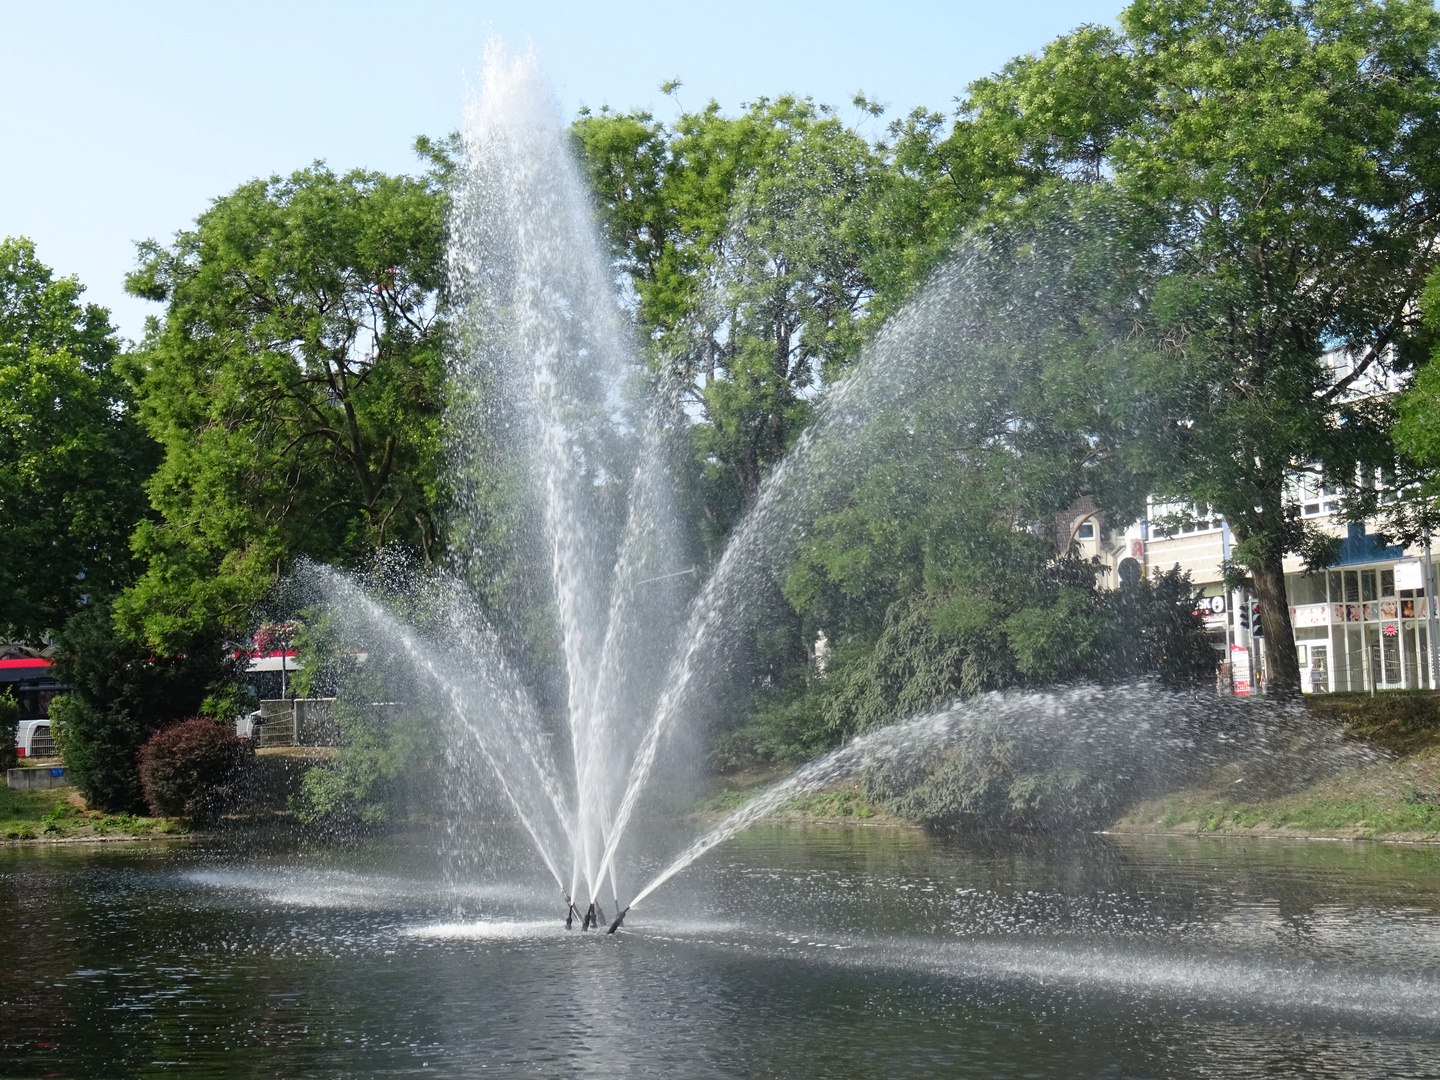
column 747, row 240
column 1417, row 434
column 381, row 711
column 1018, row 626
column 122, row 694
column 294, row 384
column 185, row 768
column 72, row 456
column 9, row 727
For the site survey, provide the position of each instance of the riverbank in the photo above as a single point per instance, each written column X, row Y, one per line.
column 59, row 815
column 1395, row 796
column 1391, row 793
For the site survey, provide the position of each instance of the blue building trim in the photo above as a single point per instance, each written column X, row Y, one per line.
column 1361, row 547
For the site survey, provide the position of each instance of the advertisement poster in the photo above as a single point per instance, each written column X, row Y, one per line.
column 1240, row 670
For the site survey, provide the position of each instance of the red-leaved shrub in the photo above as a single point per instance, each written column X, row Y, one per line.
column 185, row 768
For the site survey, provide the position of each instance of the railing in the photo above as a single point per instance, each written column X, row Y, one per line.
column 298, row 722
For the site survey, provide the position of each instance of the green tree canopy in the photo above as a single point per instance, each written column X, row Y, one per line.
column 748, row 241
column 295, row 385
column 1277, row 166
column 72, row 456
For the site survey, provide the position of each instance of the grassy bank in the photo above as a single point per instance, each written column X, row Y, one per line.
column 1395, row 797
column 838, row 802
column 60, row 814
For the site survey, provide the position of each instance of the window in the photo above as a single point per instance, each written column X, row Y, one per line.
column 1184, row 519
column 1314, row 498
column 1085, row 531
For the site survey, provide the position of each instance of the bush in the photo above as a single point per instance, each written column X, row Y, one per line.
column 122, row 695
column 1400, row 721
column 369, row 782
column 186, row 768
column 1080, row 757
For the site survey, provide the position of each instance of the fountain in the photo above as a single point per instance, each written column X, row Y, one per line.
column 544, row 382
column 545, row 388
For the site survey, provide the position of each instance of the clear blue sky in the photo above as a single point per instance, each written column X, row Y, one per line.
column 121, row 120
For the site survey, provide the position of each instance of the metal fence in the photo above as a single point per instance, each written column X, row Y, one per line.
column 298, row 722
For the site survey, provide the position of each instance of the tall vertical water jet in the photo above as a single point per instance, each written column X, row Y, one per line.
column 544, row 358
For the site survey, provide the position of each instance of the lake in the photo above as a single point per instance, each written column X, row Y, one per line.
column 794, row 950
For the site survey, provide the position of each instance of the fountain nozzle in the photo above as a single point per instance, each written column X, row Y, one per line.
column 618, row 920
column 590, row 919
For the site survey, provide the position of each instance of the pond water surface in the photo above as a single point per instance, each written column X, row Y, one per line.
column 792, row 951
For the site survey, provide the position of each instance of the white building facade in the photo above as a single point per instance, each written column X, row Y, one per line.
column 1360, row 625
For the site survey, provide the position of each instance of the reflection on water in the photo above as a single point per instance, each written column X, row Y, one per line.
column 809, row 951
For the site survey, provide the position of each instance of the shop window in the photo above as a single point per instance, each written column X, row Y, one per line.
column 1306, row 589
column 1344, row 587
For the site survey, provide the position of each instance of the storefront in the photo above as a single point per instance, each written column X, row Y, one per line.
column 1357, row 628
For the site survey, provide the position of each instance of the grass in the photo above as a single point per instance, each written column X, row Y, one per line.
column 60, row 814
column 1396, row 797
column 1414, row 814
column 839, row 803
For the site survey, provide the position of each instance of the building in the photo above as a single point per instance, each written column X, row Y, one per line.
column 1360, row 625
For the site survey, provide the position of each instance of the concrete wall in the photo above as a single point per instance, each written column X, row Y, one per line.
column 40, row 779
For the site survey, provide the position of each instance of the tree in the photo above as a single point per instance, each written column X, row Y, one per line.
column 1277, row 164
column 72, row 456
column 747, row 241
column 9, row 729
column 1417, row 434
column 295, row 385
column 933, row 564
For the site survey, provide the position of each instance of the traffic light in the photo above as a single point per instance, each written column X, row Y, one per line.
column 1249, row 615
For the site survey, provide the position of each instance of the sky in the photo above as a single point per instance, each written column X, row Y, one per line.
column 122, row 120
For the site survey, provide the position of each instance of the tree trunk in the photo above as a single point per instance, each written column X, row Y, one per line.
column 1281, row 660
